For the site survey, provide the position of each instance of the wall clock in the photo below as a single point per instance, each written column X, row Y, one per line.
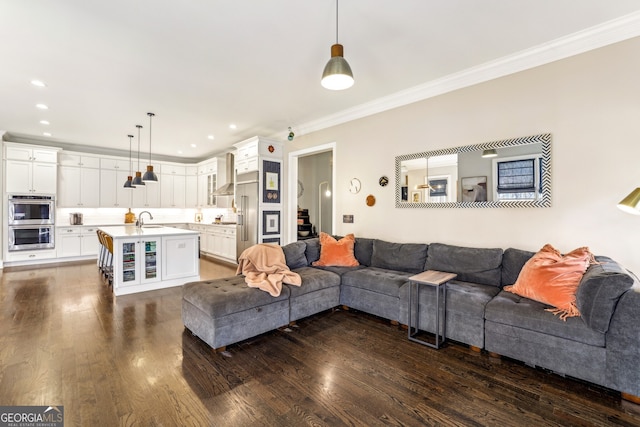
column 354, row 186
column 383, row 181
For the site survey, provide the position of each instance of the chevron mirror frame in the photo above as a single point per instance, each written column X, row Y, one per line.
column 518, row 175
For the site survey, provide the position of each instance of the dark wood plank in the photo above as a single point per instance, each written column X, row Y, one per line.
column 66, row 340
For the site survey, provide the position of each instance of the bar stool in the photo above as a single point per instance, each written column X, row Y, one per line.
column 102, row 252
column 109, row 262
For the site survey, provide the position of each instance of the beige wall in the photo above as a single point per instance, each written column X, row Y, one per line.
column 590, row 104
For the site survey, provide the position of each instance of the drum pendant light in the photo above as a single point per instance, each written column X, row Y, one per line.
column 129, row 182
column 150, row 176
column 137, row 181
column 337, row 73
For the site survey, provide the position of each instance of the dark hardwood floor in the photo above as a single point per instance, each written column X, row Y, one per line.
column 65, row 340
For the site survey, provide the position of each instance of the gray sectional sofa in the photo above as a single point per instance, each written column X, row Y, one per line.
column 602, row 346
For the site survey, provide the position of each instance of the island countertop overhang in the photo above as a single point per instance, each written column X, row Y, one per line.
column 127, row 231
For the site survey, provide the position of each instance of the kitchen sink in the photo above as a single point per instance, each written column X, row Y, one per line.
column 152, row 226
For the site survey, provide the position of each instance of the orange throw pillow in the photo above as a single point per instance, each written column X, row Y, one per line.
column 336, row 253
column 553, row 279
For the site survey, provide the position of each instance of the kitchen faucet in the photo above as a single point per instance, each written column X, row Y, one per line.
column 140, row 222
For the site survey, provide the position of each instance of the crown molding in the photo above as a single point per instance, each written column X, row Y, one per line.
column 610, row 32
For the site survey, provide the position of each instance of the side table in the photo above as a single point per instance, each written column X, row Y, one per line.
column 439, row 280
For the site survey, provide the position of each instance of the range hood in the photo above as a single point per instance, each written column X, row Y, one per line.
column 227, row 189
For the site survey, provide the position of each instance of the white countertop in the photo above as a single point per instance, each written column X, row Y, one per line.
column 123, row 231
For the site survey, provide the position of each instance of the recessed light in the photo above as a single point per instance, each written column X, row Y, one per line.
column 179, row 151
column 38, row 83
column 211, row 137
column 44, row 122
column 42, row 106
column 46, row 133
column 233, row 126
column 193, row 145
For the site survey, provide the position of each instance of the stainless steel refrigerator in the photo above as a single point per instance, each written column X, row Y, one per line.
column 246, row 196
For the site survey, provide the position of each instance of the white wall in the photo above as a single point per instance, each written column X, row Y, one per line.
column 590, row 104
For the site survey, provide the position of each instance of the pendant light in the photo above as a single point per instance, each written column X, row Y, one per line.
column 137, row 181
column 150, row 176
column 129, row 182
column 337, row 73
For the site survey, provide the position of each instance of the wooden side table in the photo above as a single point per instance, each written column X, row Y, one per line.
column 438, row 279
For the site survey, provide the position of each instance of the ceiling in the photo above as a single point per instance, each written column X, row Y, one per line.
column 201, row 65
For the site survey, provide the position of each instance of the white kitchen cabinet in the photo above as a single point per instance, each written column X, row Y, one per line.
column 224, row 242
column 31, row 153
column 137, row 261
column 28, row 177
column 207, row 184
column 146, row 196
column 30, row 169
column 191, row 191
column 178, row 257
column 173, row 191
column 66, row 158
column 112, row 191
column 76, row 241
column 77, row 187
column 119, row 163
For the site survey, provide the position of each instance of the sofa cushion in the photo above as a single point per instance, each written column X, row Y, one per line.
column 220, row 297
column 294, row 255
column 380, row 280
column 407, row 257
column 313, row 279
column 512, row 262
column 364, row 250
column 513, row 310
column 599, row 292
column 551, row 278
column 337, row 253
column 473, row 265
column 312, row 252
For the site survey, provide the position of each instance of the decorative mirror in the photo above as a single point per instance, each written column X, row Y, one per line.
column 508, row 173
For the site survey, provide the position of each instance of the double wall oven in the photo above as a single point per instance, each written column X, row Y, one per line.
column 31, row 222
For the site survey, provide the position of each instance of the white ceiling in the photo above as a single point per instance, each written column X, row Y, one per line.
column 201, row 65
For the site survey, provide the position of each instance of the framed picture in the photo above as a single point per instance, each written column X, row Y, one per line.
column 271, row 182
column 474, row 189
column 272, row 240
column 416, row 197
column 271, row 222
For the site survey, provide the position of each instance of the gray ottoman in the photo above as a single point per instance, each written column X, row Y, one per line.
column 226, row 311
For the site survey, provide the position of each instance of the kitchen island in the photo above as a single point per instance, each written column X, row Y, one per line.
column 152, row 257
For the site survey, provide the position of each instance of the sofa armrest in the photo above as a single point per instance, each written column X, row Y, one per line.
column 623, row 344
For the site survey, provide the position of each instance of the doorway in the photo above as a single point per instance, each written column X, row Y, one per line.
column 311, row 181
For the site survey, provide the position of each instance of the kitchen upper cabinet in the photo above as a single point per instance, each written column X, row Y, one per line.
column 173, row 191
column 112, row 191
column 207, row 184
column 30, row 169
column 117, row 163
column 191, row 187
column 31, row 153
column 146, row 196
column 77, row 187
column 77, row 178
column 78, row 159
column 27, row 177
